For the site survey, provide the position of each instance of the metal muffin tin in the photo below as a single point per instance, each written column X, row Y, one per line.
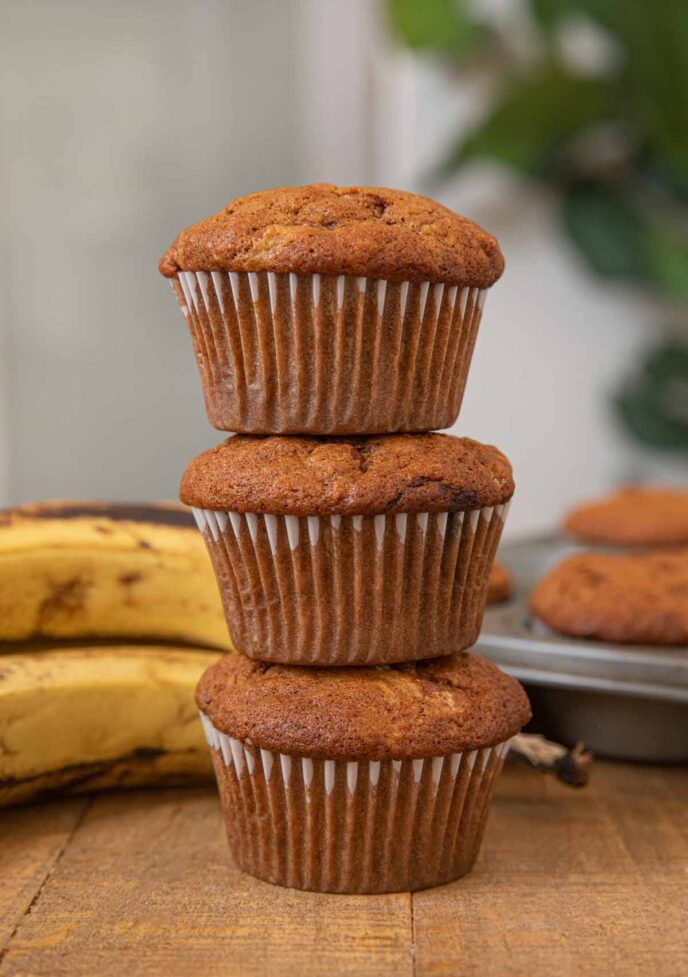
column 628, row 702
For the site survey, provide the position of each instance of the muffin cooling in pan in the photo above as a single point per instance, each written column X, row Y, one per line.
column 631, row 598
column 636, row 516
column 499, row 587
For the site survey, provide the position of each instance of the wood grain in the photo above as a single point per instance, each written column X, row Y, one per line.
column 146, row 887
column 31, row 842
column 572, row 884
column 591, row 882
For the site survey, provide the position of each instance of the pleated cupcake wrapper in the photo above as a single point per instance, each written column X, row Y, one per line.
column 342, row 590
column 317, row 354
column 353, row 826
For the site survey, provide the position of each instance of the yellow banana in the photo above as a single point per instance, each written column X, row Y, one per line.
column 81, row 719
column 97, row 570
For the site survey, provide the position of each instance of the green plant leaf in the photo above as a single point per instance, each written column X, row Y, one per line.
column 661, row 176
column 608, row 232
column 535, row 117
column 622, row 240
column 668, row 260
column 653, row 402
column 436, row 26
column 549, row 12
column 655, row 37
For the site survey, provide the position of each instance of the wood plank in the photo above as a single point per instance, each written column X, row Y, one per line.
column 569, row 883
column 649, row 807
column 146, row 886
column 32, row 839
column 506, row 929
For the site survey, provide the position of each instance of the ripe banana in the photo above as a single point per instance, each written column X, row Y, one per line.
column 80, row 719
column 99, row 570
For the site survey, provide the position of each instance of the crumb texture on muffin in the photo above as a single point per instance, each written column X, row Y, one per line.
column 308, row 476
column 632, row 599
column 429, row 708
column 634, row 516
column 324, row 229
column 499, row 585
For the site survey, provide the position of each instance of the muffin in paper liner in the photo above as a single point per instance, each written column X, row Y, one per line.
column 350, row 590
column 353, row 826
column 293, row 353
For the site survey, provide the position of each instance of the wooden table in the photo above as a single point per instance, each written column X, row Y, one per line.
column 591, row 882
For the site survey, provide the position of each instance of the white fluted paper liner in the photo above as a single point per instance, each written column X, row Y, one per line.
column 353, row 826
column 318, row 354
column 343, row 590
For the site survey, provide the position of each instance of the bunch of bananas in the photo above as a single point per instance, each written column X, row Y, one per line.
column 108, row 616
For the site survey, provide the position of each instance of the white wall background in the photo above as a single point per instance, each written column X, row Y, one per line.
column 122, row 123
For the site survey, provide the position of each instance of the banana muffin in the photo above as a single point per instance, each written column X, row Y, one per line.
column 341, row 551
column 634, row 516
column 631, row 599
column 333, row 310
column 499, row 584
column 358, row 780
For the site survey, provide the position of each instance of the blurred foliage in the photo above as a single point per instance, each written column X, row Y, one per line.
column 596, row 108
column 653, row 404
column 441, row 26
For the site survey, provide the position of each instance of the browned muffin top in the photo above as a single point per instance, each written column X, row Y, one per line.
column 308, row 476
column 633, row 599
column 330, row 230
column 429, row 708
column 634, row 516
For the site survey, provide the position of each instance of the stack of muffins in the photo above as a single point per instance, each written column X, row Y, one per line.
column 355, row 740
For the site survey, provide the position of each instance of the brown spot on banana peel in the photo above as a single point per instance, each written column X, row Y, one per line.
column 66, row 598
column 163, row 515
column 127, row 579
column 138, row 765
column 4, row 748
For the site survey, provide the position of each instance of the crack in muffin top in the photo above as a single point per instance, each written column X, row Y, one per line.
column 311, row 476
column 421, row 709
column 323, row 229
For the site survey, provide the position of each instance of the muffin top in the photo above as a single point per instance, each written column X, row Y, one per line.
column 632, row 599
column 310, row 476
column 634, row 516
column 430, row 708
column 330, row 230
